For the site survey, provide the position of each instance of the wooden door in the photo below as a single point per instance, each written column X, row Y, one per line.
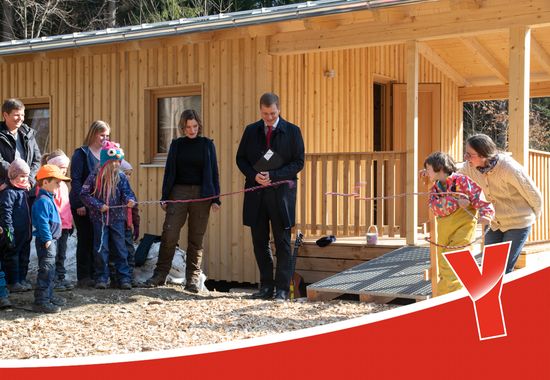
column 429, row 130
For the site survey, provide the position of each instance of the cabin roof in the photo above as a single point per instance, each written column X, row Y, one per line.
column 197, row 24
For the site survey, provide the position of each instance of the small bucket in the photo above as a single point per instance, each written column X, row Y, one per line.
column 372, row 235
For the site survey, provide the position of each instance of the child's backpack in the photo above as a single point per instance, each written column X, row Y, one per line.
column 143, row 248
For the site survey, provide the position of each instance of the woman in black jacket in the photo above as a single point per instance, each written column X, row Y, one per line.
column 191, row 173
column 84, row 161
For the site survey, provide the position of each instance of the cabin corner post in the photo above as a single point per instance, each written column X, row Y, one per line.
column 411, row 187
column 518, row 106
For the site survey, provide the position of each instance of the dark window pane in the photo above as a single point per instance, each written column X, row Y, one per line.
column 169, row 112
column 39, row 120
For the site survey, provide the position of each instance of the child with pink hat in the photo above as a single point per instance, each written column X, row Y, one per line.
column 16, row 222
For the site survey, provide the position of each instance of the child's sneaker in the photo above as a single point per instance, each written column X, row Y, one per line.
column 48, row 308
column 27, row 285
column 17, row 288
column 126, row 286
column 58, row 301
column 101, row 285
column 5, row 303
column 63, row 285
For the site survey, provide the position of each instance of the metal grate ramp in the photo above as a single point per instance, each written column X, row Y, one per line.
column 397, row 274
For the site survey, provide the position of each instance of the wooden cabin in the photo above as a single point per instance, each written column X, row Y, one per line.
column 374, row 85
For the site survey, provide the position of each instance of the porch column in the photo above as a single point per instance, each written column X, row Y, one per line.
column 518, row 107
column 411, row 59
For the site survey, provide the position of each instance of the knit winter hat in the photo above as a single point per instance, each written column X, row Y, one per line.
column 61, row 161
column 18, row 167
column 110, row 151
column 125, row 166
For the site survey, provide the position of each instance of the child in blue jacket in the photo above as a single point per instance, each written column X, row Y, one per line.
column 47, row 229
column 107, row 194
column 15, row 219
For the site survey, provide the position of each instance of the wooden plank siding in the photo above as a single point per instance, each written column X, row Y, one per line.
column 334, row 112
column 110, row 85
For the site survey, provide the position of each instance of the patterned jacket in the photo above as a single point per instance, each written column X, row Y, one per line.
column 446, row 204
column 123, row 195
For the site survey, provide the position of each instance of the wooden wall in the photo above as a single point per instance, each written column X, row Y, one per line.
column 109, row 82
column 336, row 113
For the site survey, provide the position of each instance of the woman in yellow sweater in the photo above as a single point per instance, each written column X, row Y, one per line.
column 514, row 195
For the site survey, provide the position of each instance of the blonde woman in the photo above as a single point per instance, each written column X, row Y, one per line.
column 83, row 162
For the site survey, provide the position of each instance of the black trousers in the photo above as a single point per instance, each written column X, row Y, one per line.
column 84, row 246
column 269, row 213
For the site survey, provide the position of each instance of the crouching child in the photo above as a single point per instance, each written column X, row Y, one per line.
column 47, row 229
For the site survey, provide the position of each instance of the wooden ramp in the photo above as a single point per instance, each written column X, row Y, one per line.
column 397, row 274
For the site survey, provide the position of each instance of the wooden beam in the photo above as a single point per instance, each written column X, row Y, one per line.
column 542, row 55
column 473, row 94
column 518, row 99
column 441, row 64
column 366, row 298
column 494, row 81
column 485, row 55
column 316, row 295
column 411, row 142
column 421, row 22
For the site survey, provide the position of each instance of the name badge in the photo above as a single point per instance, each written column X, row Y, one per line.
column 268, row 154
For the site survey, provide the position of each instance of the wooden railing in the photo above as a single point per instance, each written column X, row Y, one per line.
column 539, row 170
column 377, row 174
column 369, row 174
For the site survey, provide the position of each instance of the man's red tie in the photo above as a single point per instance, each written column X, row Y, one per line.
column 268, row 135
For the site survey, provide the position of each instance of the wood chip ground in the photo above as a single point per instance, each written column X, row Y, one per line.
column 101, row 322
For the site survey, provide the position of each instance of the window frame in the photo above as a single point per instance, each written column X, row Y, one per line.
column 152, row 96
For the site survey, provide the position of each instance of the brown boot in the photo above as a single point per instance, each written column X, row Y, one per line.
column 191, row 288
column 156, row 280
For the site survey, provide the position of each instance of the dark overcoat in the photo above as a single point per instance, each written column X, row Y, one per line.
column 286, row 141
column 8, row 147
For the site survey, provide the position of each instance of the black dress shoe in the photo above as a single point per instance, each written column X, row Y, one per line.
column 281, row 295
column 265, row 293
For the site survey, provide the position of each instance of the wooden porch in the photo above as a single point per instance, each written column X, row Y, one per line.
column 348, row 216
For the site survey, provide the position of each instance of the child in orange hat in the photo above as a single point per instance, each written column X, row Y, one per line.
column 47, row 229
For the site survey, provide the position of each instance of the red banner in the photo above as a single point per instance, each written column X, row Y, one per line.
column 437, row 338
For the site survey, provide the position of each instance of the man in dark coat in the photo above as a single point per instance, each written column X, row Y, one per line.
column 271, row 150
column 17, row 140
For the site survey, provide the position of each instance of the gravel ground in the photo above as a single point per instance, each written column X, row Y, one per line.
column 101, row 322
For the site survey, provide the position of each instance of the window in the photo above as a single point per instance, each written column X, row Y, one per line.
column 166, row 106
column 37, row 116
